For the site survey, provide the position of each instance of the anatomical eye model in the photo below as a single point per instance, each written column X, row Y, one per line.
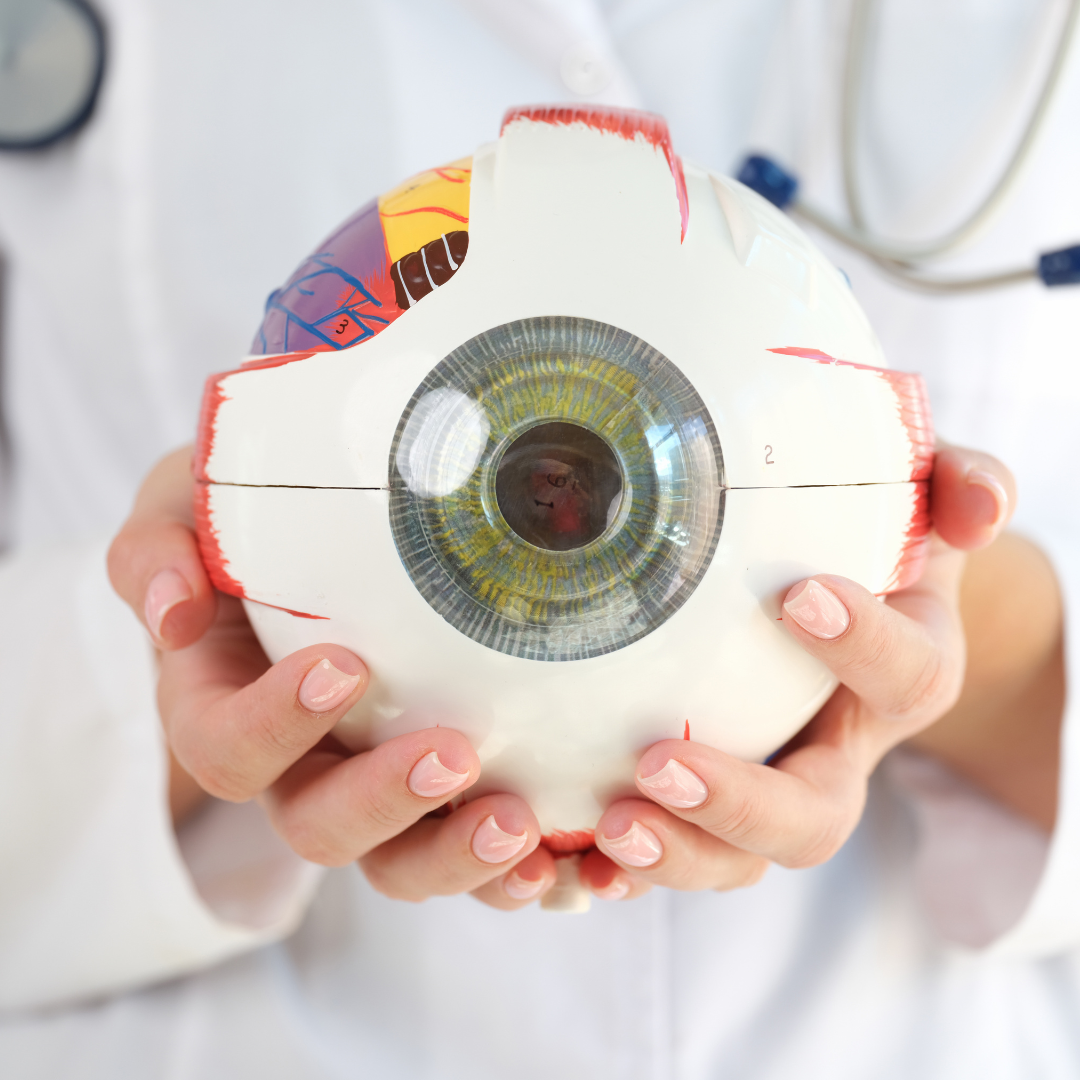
column 544, row 436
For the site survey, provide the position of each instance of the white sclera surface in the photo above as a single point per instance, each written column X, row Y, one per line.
column 563, row 735
column 328, row 421
column 599, row 239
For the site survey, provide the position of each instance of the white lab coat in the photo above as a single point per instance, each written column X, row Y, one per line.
column 940, row 942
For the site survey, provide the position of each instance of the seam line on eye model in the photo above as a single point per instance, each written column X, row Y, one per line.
column 789, row 487
column 301, row 487
column 726, row 487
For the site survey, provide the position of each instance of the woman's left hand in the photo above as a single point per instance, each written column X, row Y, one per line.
column 711, row 821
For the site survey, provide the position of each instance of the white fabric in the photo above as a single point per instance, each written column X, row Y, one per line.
column 93, row 885
column 978, row 863
column 230, row 137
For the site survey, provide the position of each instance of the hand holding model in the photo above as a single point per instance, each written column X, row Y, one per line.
column 551, row 456
column 553, row 510
column 716, row 822
column 240, row 728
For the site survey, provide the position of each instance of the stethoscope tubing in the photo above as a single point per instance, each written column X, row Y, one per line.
column 859, row 233
column 898, row 260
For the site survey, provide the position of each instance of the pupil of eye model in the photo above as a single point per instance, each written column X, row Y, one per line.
column 558, row 486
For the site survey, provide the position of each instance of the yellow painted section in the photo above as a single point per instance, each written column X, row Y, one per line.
column 426, row 206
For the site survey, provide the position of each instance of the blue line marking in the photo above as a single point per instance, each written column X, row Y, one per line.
column 309, row 327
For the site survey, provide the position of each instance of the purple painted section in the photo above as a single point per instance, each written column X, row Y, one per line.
column 340, row 295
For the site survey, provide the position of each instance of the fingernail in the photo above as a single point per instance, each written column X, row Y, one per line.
column 638, row 846
column 676, row 785
column 165, row 591
column 998, row 505
column 491, row 845
column 517, row 887
column 324, row 687
column 430, row 778
column 615, row 891
column 817, row 610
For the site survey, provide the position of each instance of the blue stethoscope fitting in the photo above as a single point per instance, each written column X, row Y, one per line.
column 52, row 61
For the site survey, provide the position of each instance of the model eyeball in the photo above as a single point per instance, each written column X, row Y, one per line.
column 545, row 435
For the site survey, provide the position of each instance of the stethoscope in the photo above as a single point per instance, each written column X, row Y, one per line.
column 905, row 262
column 52, row 59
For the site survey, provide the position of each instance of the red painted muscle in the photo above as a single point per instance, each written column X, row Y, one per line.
column 629, row 123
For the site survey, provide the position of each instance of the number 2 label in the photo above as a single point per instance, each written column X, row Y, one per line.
column 768, row 456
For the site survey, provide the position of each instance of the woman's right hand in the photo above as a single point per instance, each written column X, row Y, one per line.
column 240, row 728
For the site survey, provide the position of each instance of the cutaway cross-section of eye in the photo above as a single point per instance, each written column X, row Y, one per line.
column 556, row 488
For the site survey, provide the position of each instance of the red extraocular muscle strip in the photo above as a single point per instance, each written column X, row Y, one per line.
column 214, row 560
column 209, row 547
column 213, row 397
column 629, row 123
column 916, row 547
column 567, row 843
column 911, row 399
column 914, row 406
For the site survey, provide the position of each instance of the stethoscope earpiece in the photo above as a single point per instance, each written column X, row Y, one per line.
column 52, row 59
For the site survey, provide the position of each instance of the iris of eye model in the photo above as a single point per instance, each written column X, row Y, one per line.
column 556, row 488
column 559, row 486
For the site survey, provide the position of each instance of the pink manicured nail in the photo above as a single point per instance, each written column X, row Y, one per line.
column 993, row 486
column 817, row 610
column 638, row 846
column 165, row 591
column 491, row 845
column 324, row 687
column 517, row 887
column 430, row 777
column 616, row 890
column 676, row 785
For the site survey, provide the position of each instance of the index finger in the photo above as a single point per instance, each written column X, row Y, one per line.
column 899, row 673
column 796, row 814
column 234, row 722
column 154, row 561
column 903, row 660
